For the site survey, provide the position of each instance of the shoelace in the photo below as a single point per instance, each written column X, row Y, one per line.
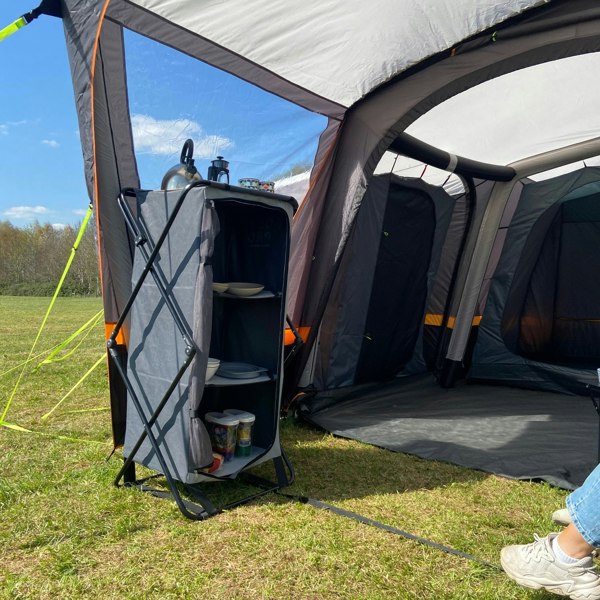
column 537, row 550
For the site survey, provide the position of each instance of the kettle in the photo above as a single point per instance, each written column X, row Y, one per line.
column 184, row 173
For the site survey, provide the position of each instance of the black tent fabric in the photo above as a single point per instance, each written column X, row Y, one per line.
column 397, row 266
column 515, row 433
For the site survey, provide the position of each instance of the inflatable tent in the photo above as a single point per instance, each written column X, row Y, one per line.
column 495, row 93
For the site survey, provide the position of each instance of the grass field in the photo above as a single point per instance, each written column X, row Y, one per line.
column 67, row 532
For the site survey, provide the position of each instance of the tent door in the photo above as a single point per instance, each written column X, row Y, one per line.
column 399, row 290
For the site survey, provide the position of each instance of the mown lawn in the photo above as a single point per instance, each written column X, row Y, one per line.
column 67, row 532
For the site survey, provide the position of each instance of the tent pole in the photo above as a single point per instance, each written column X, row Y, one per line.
column 449, row 370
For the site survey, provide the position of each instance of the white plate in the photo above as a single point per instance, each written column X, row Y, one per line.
column 239, row 370
column 239, row 288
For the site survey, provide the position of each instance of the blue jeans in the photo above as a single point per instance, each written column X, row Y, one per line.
column 584, row 508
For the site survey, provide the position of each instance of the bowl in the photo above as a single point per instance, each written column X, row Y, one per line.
column 211, row 368
column 220, row 287
column 239, row 288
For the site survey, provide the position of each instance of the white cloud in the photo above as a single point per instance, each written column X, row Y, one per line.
column 51, row 143
column 59, row 225
column 80, row 212
column 5, row 127
column 25, row 212
column 166, row 137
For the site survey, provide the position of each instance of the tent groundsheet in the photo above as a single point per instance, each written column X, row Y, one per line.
column 512, row 432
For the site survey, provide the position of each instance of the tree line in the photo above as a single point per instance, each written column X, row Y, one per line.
column 33, row 258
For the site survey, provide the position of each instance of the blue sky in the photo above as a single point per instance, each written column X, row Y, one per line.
column 41, row 167
column 172, row 97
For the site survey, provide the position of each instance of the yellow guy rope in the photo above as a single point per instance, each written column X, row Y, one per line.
column 85, row 329
column 58, row 288
column 14, row 26
column 51, row 352
column 60, row 437
column 44, row 417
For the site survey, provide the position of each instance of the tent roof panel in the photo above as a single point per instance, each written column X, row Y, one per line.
column 338, row 51
column 541, row 108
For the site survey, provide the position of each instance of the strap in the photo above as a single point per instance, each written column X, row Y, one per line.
column 85, row 329
column 367, row 521
column 14, row 26
column 15, row 427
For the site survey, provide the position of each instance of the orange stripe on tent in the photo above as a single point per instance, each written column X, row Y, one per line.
column 109, row 328
column 436, row 320
column 324, row 164
column 289, row 338
column 93, row 125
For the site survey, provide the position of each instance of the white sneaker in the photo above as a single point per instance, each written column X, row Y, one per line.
column 535, row 566
column 561, row 517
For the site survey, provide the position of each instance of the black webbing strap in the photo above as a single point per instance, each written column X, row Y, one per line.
column 366, row 521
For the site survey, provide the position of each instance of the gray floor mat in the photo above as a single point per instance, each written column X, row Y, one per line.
column 516, row 433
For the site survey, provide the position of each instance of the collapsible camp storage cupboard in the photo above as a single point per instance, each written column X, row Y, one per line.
column 185, row 241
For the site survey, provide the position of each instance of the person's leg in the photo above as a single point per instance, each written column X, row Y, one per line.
column 568, row 569
column 573, row 544
column 584, row 508
column 537, row 566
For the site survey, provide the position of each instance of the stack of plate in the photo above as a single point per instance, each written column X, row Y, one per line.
column 240, row 370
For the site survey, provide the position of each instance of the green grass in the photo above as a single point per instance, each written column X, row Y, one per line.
column 67, row 532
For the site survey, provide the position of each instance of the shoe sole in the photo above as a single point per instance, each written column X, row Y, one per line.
column 533, row 585
column 528, row 583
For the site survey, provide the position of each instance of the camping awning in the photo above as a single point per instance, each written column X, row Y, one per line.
column 323, row 54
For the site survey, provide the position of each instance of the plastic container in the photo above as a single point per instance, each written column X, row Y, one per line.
column 223, row 433
column 243, row 446
column 267, row 186
column 249, row 182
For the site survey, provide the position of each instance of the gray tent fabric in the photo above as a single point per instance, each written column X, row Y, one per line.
column 372, row 124
column 157, row 349
column 510, row 313
column 379, row 275
column 200, row 447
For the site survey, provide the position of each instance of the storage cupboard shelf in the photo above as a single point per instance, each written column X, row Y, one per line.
column 218, row 381
column 237, row 463
column 260, row 296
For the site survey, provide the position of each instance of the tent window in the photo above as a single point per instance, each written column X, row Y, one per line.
column 173, row 97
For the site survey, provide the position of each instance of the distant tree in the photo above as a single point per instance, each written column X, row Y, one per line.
column 33, row 258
